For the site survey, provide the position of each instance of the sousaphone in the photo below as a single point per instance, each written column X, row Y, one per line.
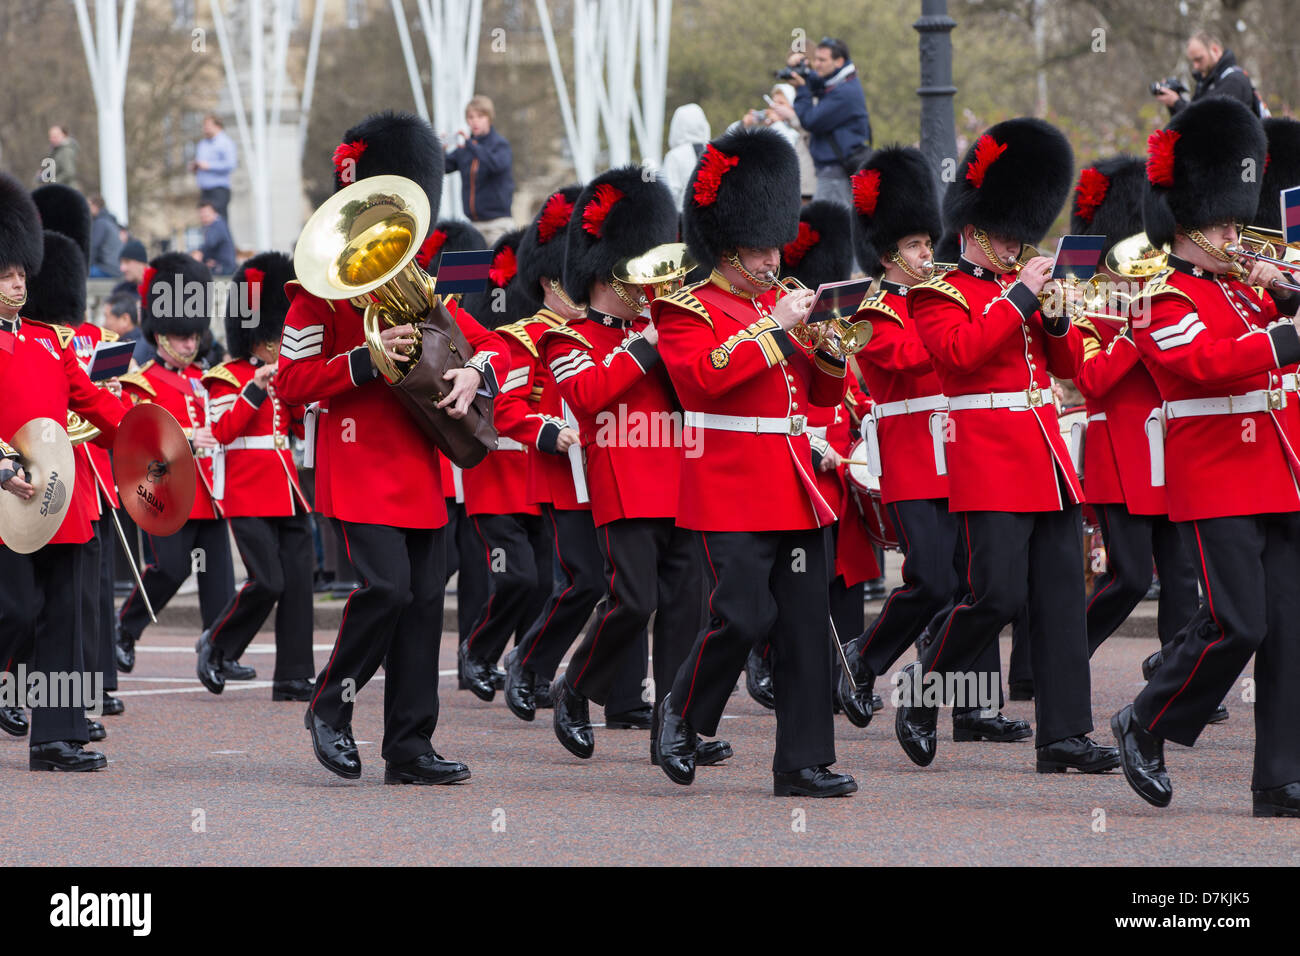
column 45, row 454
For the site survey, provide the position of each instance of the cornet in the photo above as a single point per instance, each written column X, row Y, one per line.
column 836, row 335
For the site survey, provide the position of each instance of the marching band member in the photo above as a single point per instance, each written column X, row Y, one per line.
column 895, row 223
column 1216, row 347
column 377, row 477
column 607, row 369
column 40, row 377
column 1009, row 473
column 750, row 496
column 175, row 302
column 255, row 482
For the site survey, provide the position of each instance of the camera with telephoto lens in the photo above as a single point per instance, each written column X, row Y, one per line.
column 1169, row 83
column 803, row 70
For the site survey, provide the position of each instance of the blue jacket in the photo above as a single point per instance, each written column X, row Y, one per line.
column 219, row 248
column 838, row 116
column 487, row 184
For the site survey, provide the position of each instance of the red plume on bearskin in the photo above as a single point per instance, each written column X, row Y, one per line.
column 149, row 273
column 253, row 279
column 345, row 152
column 1090, row 193
column 866, row 191
column 593, row 216
column 1160, row 156
column 793, row 252
column 430, row 248
column 713, row 165
column 504, row 267
column 555, row 216
column 987, row 151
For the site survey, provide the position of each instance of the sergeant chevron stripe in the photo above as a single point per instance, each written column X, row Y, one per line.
column 302, row 343
column 1182, row 333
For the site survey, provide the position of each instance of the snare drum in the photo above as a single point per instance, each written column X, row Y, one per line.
column 864, row 487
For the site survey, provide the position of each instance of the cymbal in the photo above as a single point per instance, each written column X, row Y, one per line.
column 154, row 469
column 28, row 526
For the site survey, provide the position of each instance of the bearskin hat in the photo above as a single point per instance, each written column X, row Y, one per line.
column 1281, row 169
column 175, row 297
column 256, row 305
column 893, row 196
column 822, row 251
column 948, row 249
column 1012, row 182
column 744, row 191
column 391, row 144
column 1108, row 200
column 541, row 252
column 1196, row 168
column 500, row 303
column 21, row 242
column 619, row 214
column 65, row 210
column 57, row 293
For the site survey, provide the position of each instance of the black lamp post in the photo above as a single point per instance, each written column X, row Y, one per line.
column 938, row 129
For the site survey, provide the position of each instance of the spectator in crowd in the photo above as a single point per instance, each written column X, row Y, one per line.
column 832, row 108
column 218, row 249
column 1216, row 73
column 780, row 115
column 687, row 134
column 214, row 160
column 132, row 261
column 105, row 241
column 482, row 157
column 61, row 159
column 121, row 314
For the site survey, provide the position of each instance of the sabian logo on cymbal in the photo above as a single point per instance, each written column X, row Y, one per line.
column 149, row 498
column 56, row 493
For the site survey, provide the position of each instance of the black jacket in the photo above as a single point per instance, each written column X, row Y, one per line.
column 486, row 182
column 1224, row 79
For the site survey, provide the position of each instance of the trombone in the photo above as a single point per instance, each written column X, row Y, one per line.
column 1267, row 243
column 837, row 335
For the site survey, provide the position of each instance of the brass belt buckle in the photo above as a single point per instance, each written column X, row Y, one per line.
column 1276, row 399
column 1035, row 397
column 281, row 441
column 797, row 424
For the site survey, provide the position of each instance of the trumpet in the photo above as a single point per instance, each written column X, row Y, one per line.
column 837, row 335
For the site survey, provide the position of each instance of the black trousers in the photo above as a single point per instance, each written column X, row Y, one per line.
column 92, row 555
column 105, row 619
column 1248, row 567
column 513, row 555
column 651, row 567
column 40, row 610
column 765, row 583
column 1017, row 559
column 219, row 196
column 277, row 554
column 173, row 558
column 1131, row 540
column 463, row 559
column 394, row 618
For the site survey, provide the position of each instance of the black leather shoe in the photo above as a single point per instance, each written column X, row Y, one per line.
column 335, row 749
column 571, row 721
column 877, row 703
column 855, row 701
column 112, row 706
column 428, row 769
column 1076, row 753
column 1219, row 716
column 639, row 719
column 96, row 730
column 1279, row 802
column 997, row 729
column 758, row 680
column 1152, row 663
column 813, row 782
column 13, row 721
column 678, row 743
column 210, row 665
column 711, row 752
column 498, row 677
column 66, row 755
column 299, row 688
column 1142, row 755
column 521, row 698
column 233, row 670
column 1020, row 690
column 124, row 653
column 542, row 694
column 477, row 674
column 916, row 727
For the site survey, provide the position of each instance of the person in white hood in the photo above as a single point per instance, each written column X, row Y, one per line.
column 687, row 134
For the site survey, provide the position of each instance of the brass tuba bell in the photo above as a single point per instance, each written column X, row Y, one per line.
column 663, row 269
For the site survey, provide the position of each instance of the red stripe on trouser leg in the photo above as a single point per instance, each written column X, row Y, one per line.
column 700, row 656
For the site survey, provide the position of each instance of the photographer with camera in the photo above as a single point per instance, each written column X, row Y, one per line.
column 831, row 106
column 1216, row 73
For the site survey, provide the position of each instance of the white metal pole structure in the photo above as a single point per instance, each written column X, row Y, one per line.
column 108, row 52
column 610, row 37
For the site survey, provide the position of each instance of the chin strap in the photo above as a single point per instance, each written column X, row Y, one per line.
column 634, row 299
column 897, row 258
column 13, row 303
column 763, row 284
column 999, row 264
column 1208, row 247
column 564, row 296
column 177, row 360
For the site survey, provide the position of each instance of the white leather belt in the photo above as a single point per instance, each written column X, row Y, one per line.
column 1261, row 400
column 1290, row 382
column 909, row 406
column 1016, row 401
column 258, row 441
column 818, row 430
column 508, row 444
column 794, row 425
column 1099, row 417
